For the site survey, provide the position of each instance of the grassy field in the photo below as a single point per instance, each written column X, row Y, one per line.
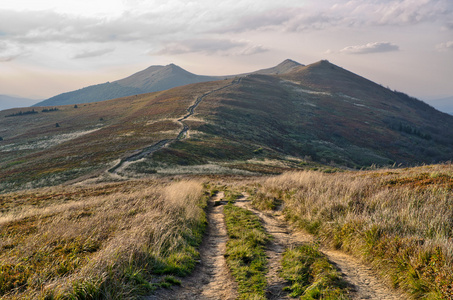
column 128, row 238
column 109, row 241
column 399, row 220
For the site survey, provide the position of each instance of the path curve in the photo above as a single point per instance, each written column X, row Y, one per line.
column 211, row 279
column 365, row 283
column 166, row 142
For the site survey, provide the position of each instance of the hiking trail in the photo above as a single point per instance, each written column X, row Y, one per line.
column 211, row 279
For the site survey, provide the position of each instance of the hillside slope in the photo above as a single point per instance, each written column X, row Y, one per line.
column 313, row 115
column 320, row 112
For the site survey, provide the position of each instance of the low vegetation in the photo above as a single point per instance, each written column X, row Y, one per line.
column 245, row 251
column 310, row 275
column 110, row 241
column 22, row 113
column 399, row 220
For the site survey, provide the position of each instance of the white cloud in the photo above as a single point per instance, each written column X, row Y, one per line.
column 210, row 47
column 447, row 46
column 351, row 13
column 10, row 51
column 391, row 12
column 376, row 47
column 93, row 53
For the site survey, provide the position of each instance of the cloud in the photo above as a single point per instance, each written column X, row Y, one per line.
column 377, row 47
column 93, row 53
column 345, row 13
column 10, row 51
column 390, row 12
column 289, row 19
column 210, row 47
column 447, row 46
column 30, row 27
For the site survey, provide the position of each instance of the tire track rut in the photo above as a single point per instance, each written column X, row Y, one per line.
column 364, row 283
column 211, row 279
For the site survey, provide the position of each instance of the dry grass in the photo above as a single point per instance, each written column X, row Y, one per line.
column 108, row 241
column 400, row 220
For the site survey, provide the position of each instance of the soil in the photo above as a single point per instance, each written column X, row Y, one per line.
column 211, row 278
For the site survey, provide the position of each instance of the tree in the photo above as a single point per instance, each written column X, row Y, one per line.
column 57, row 125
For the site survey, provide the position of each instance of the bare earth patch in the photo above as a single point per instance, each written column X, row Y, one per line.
column 211, row 278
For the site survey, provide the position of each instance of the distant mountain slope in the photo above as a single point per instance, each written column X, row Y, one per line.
column 324, row 113
column 152, row 79
column 7, row 102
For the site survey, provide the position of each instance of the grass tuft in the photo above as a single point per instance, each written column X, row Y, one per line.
column 310, row 275
column 245, row 251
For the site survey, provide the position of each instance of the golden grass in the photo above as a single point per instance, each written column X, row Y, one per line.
column 107, row 241
column 401, row 220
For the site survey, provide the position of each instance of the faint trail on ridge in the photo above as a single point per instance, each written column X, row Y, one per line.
column 164, row 143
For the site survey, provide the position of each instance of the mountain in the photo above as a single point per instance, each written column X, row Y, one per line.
column 7, row 102
column 152, row 79
column 443, row 104
column 324, row 113
column 282, row 68
column 307, row 117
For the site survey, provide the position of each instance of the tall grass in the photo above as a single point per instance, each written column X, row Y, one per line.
column 108, row 241
column 399, row 220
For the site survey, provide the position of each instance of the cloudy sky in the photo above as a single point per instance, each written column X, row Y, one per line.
column 50, row 47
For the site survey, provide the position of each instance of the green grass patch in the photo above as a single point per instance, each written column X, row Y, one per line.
column 245, row 251
column 310, row 275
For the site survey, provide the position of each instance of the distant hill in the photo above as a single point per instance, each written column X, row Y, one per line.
column 305, row 117
column 152, row 79
column 7, row 102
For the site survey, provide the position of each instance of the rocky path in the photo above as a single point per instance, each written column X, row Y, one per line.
column 211, row 279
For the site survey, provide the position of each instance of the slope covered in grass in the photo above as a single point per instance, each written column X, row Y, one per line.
column 110, row 241
column 89, row 138
column 399, row 220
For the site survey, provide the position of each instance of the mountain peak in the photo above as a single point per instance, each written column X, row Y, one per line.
column 284, row 67
column 289, row 62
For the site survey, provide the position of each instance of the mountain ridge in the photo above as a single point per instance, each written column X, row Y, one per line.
column 311, row 117
column 152, row 79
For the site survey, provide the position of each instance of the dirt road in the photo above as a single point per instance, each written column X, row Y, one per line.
column 211, row 278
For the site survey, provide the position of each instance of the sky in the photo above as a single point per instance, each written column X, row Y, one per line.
column 51, row 47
